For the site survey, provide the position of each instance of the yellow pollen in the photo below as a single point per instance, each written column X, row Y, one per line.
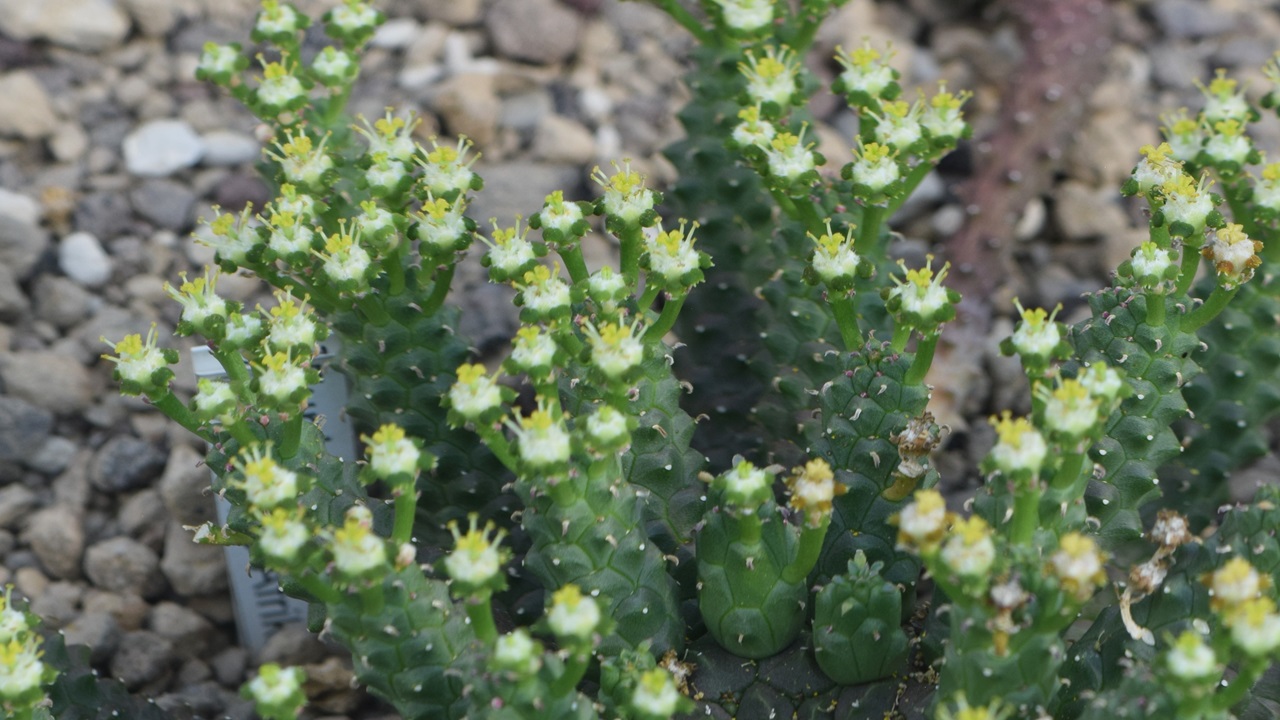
column 443, row 156
column 276, row 362
column 1011, row 430
column 1156, row 153
column 1071, row 390
column 928, row 502
column 388, row 434
column 568, row 596
column 972, row 530
column 538, row 420
column 221, row 226
column 469, row 373
column 785, row 141
column 437, row 208
column 537, row 276
column 1076, row 545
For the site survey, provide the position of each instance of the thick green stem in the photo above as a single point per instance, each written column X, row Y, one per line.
column 650, row 294
column 480, row 612
column 1214, row 304
column 575, row 666
column 901, row 334
column 393, row 266
column 1187, row 274
column 406, row 504
column 846, row 314
column 371, row 307
column 914, row 177
column 686, row 21
column 372, row 599
column 1069, row 471
column 318, row 588
column 181, row 414
column 499, row 445
column 869, row 230
column 439, row 289
column 337, row 104
column 1235, row 691
column 800, row 210
column 242, row 432
column 1159, row 234
column 667, row 319
column 574, row 263
column 807, row 554
column 1026, row 512
column 233, row 365
column 923, row 359
column 749, row 528
column 291, row 437
column 631, row 246
column 1155, row 308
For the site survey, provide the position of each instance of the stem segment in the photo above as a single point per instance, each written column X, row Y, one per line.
column 923, row 359
column 1214, row 304
column 667, row 319
column 481, row 614
column 847, row 318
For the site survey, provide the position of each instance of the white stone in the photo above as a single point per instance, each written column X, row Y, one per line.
column 82, row 258
column 562, row 140
column 162, row 147
column 19, row 207
column 25, row 111
column 69, row 143
column 227, row 147
column 84, row 25
column 396, row 34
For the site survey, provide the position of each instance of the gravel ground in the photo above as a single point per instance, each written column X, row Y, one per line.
column 110, row 153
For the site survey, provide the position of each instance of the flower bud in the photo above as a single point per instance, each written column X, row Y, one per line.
column 969, row 551
column 1078, row 565
column 475, row 564
column 573, row 616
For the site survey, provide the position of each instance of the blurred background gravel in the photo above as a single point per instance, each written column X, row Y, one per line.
column 110, row 153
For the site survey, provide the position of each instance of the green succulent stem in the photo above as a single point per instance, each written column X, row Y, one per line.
column 1069, row 471
column 241, row 431
column 406, row 505
column 801, row 210
column 909, row 184
column 923, row 360
column 869, row 229
column 480, row 612
column 846, row 314
column 337, row 104
column 1026, row 512
column 233, row 365
column 371, row 307
column 1238, row 687
column 498, row 445
column 321, row 298
column 749, row 528
column 1214, row 304
column 1155, row 308
column 687, row 21
column 807, row 554
column 575, row 667
column 650, row 294
column 1187, row 273
column 318, row 588
column 372, row 599
column 181, row 414
column 574, row 263
column 440, row 289
column 665, row 321
column 1159, row 234
column 901, row 334
column 291, row 436
column 631, row 246
column 393, row 265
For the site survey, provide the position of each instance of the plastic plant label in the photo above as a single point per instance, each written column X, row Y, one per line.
column 260, row 607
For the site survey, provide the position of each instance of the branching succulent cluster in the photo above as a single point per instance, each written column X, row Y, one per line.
column 605, row 544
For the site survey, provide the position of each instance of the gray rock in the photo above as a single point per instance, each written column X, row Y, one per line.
column 60, row 301
column 16, row 501
column 162, row 147
column 25, row 111
column 84, row 25
column 129, row 611
column 155, row 18
column 1083, row 212
column 189, row 631
column 537, row 31
column 227, row 147
column 23, row 428
column 57, row 538
column 69, row 142
column 1192, row 18
column 52, row 381
column 124, row 565
column 164, row 203
column 469, row 105
column 104, row 214
column 229, row 665
column 22, row 243
column 58, row 604
column 184, row 487
column 19, row 207
column 559, row 139
column 98, row 630
column 396, row 34
column 293, row 645
column 520, row 188
column 142, row 658
column 142, row 516
column 13, row 302
column 82, row 258
column 194, row 700
column 524, row 111
column 54, row 456
column 7, row 542
column 125, row 463
column 192, row 569
column 452, row 12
